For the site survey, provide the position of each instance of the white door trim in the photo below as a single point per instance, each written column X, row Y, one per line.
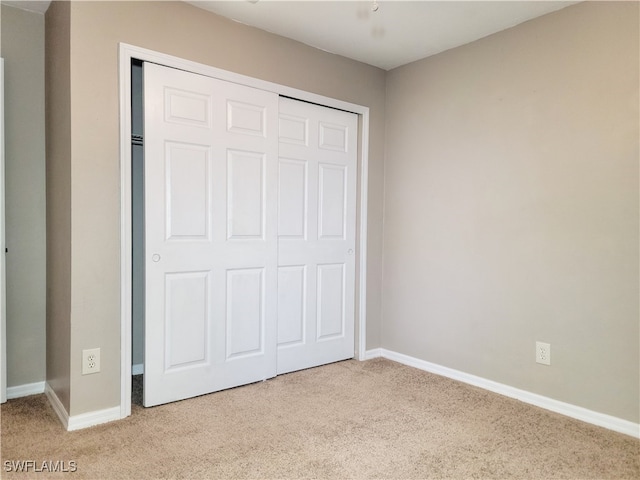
column 126, row 54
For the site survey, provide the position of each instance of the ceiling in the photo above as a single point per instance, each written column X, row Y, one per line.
column 399, row 32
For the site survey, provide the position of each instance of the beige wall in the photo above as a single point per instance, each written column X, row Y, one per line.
column 511, row 211
column 59, row 194
column 22, row 47
column 185, row 31
column 510, row 184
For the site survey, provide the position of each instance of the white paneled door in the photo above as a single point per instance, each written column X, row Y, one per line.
column 249, row 234
column 210, row 239
column 316, row 234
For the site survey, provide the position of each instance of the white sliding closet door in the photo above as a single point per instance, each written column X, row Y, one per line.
column 211, row 242
column 250, row 204
column 316, row 235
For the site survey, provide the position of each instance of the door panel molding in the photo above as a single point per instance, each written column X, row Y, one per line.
column 129, row 52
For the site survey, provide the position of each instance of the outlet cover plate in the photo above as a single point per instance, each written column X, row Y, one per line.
column 90, row 361
column 543, row 353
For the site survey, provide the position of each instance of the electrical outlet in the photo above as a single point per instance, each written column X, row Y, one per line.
column 90, row 361
column 543, row 353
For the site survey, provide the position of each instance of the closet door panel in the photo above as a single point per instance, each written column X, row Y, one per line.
column 316, row 235
column 210, row 234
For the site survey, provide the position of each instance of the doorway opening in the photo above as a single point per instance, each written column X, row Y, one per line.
column 137, row 232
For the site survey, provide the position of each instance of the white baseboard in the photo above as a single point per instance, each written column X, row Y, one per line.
column 57, row 406
column 25, row 390
column 84, row 420
column 595, row 418
column 137, row 369
column 373, row 353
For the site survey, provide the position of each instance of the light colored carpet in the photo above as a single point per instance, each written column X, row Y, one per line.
column 374, row 419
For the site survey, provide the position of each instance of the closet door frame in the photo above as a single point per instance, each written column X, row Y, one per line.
column 127, row 53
